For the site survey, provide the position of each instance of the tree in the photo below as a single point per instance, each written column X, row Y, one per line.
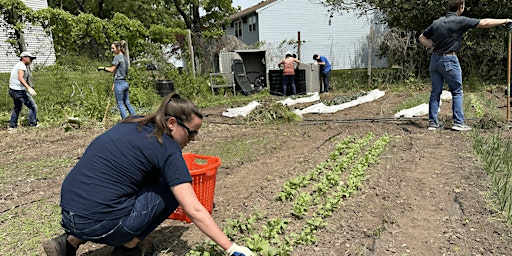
column 16, row 14
column 417, row 15
column 202, row 17
column 202, row 27
column 148, row 12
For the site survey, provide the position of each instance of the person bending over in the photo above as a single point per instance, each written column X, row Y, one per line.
column 130, row 179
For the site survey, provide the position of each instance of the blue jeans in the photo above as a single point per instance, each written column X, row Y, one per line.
column 326, row 78
column 121, row 90
column 289, row 79
column 31, row 99
column 20, row 98
column 153, row 205
column 445, row 69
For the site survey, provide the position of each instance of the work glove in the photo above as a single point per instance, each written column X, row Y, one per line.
column 508, row 25
column 31, row 91
column 237, row 250
column 101, row 68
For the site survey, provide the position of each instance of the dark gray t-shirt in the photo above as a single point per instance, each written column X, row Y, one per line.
column 121, row 63
column 446, row 32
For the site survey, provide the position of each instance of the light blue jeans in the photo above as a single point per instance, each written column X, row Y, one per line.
column 445, row 69
column 121, row 90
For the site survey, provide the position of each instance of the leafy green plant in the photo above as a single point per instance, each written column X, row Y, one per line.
column 315, row 195
column 477, row 105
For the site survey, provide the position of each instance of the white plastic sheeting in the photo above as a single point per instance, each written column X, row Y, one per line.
column 422, row 109
column 419, row 110
column 241, row 111
column 290, row 102
column 321, row 108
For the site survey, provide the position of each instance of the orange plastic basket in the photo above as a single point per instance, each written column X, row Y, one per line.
column 203, row 170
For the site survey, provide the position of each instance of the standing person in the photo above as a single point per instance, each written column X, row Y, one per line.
column 120, row 69
column 30, row 81
column 289, row 71
column 444, row 38
column 18, row 88
column 325, row 71
column 130, row 179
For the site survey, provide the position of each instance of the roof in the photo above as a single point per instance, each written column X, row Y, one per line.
column 250, row 10
column 250, row 50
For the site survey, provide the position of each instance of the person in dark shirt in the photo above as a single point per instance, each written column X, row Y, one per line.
column 444, row 38
column 130, row 179
column 325, row 71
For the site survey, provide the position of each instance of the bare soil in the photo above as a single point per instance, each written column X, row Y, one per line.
column 427, row 195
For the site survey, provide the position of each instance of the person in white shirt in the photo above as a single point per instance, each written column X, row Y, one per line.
column 18, row 88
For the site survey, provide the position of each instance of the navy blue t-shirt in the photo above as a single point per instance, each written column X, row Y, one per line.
column 116, row 165
column 446, row 32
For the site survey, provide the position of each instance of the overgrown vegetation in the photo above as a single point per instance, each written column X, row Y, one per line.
column 271, row 113
column 495, row 154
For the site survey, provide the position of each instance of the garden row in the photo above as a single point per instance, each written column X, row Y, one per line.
column 311, row 198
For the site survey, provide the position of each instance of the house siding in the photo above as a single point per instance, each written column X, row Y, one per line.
column 249, row 37
column 344, row 41
column 37, row 42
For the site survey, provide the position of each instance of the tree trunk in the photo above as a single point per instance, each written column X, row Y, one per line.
column 198, row 40
column 18, row 34
column 80, row 6
column 101, row 9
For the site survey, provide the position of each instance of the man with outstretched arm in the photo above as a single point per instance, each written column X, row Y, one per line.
column 444, row 39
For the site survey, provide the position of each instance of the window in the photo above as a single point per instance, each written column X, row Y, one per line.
column 252, row 23
column 238, row 28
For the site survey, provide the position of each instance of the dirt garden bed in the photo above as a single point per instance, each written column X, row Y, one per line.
column 425, row 196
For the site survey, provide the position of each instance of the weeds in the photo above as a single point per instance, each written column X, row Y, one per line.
column 495, row 154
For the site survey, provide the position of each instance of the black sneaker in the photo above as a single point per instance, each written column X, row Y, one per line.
column 58, row 246
column 433, row 126
column 124, row 251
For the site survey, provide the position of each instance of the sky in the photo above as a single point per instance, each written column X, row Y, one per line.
column 245, row 3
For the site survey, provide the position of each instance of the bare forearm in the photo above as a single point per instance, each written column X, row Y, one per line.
column 425, row 41
column 186, row 197
column 489, row 23
column 23, row 82
column 204, row 221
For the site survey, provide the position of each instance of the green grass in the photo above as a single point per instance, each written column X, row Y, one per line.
column 24, row 228
column 413, row 100
column 234, row 150
column 30, row 171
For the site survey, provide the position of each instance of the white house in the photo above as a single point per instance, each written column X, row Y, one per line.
column 37, row 41
column 343, row 37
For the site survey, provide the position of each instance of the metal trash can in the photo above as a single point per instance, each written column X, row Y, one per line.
column 164, row 87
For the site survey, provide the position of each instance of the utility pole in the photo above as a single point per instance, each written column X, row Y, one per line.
column 191, row 48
